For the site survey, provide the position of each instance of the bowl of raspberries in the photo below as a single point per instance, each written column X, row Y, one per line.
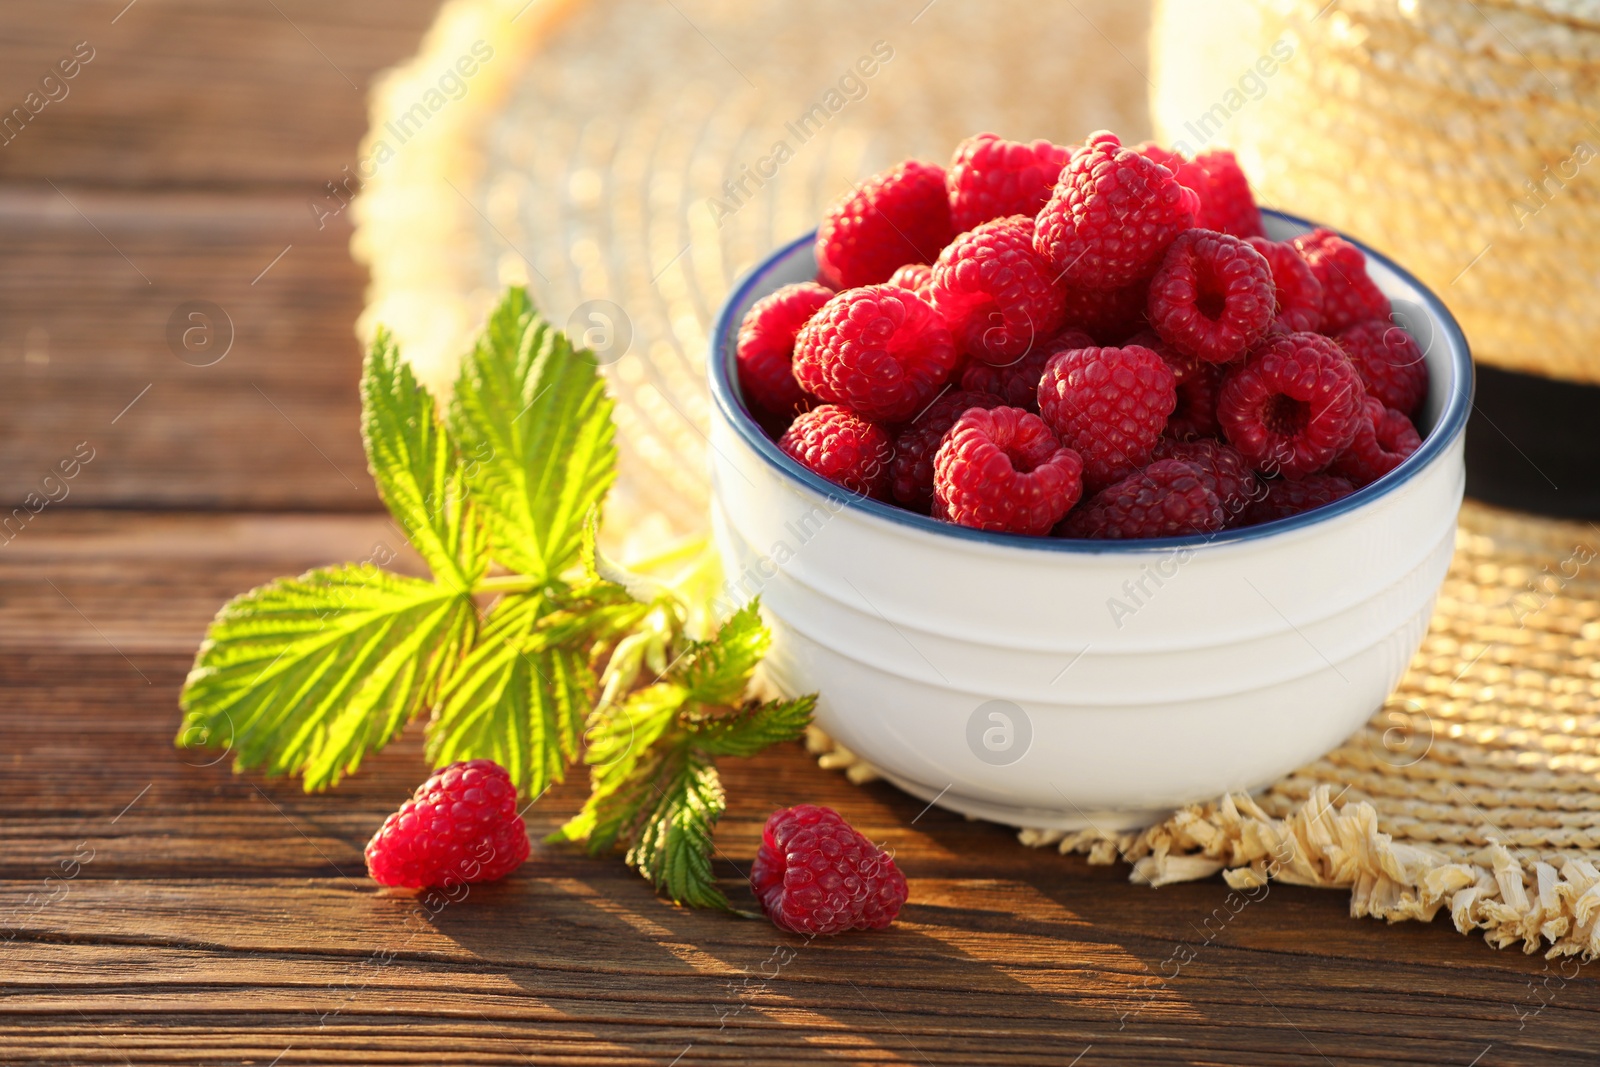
column 1080, row 486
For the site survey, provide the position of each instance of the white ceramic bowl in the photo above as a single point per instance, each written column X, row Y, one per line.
column 1054, row 683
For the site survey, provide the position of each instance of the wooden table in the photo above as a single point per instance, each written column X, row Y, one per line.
column 155, row 908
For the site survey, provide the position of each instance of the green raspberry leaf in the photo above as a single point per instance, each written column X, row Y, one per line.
column 515, row 702
column 673, row 845
column 307, row 675
column 533, row 414
column 747, row 732
column 717, row 671
column 624, row 761
column 413, row 460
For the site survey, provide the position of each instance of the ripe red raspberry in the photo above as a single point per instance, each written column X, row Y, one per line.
column 1110, row 316
column 1384, row 440
column 1198, row 383
column 1002, row 469
column 914, row 276
column 1111, row 216
column 1285, row 497
column 1292, row 406
column 1018, row 381
column 1173, row 161
column 461, row 825
column 1169, row 498
column 1348, row 295
column 1389, row 361
column 1226, row 203
column 900, row 216
column 842, row 447
column 881, row 351
column 766, row 346
column 1222, row 468
column 991, row 178
column 814, row 874
column 911, row 471
column 1213, row 296
column 994, row 292
column 1109, row 405
column 1296, row 289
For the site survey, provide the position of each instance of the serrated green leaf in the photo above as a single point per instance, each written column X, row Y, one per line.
column 307, row 675
column 597, row 613
column 414, row 463
column 717, row 671
column 523, row 708
column 746, row 732
column 623, row 763
column 672, row 847
column 537, row 413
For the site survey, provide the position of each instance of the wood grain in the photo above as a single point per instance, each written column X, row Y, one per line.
column 199, row 93
column 85, row 353
column 224, row 918
column 156, row 908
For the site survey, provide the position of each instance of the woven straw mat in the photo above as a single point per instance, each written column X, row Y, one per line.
column 587, row 158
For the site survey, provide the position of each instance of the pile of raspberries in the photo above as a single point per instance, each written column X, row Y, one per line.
column 1087, row 341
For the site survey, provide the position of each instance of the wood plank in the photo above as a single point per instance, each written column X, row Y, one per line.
column 90, row 290
column 142, row 583
column 221, row 917
column 195, row 92
column 249, row 108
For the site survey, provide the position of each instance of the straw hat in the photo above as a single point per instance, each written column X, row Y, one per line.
column 630, row 159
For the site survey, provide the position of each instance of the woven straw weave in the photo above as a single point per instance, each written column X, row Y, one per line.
column 1459, row 136
column 584, row 159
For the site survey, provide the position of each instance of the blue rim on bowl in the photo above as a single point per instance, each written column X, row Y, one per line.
column 1448, row 427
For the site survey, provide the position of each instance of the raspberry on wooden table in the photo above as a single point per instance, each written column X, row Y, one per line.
column 900, row 216
column 1169, row 498
column 1111, row 216
column 815, row 874
column 1295, row 286
column 842, row 447
column 1386, row 437
column 1285, row 497
column 1293, row 405
column 765, row 352
column 990, row 178
column 1109, row 405
column 1213, row 296
column 1002, row 469
column 460, row 826
column 911, row 471
column 1018, row 381
column 1389, row 361
column 881, row 351
column 996, row 294
column 1348, row 295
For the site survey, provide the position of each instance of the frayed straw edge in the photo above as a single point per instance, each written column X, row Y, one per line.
column 1553, row 906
